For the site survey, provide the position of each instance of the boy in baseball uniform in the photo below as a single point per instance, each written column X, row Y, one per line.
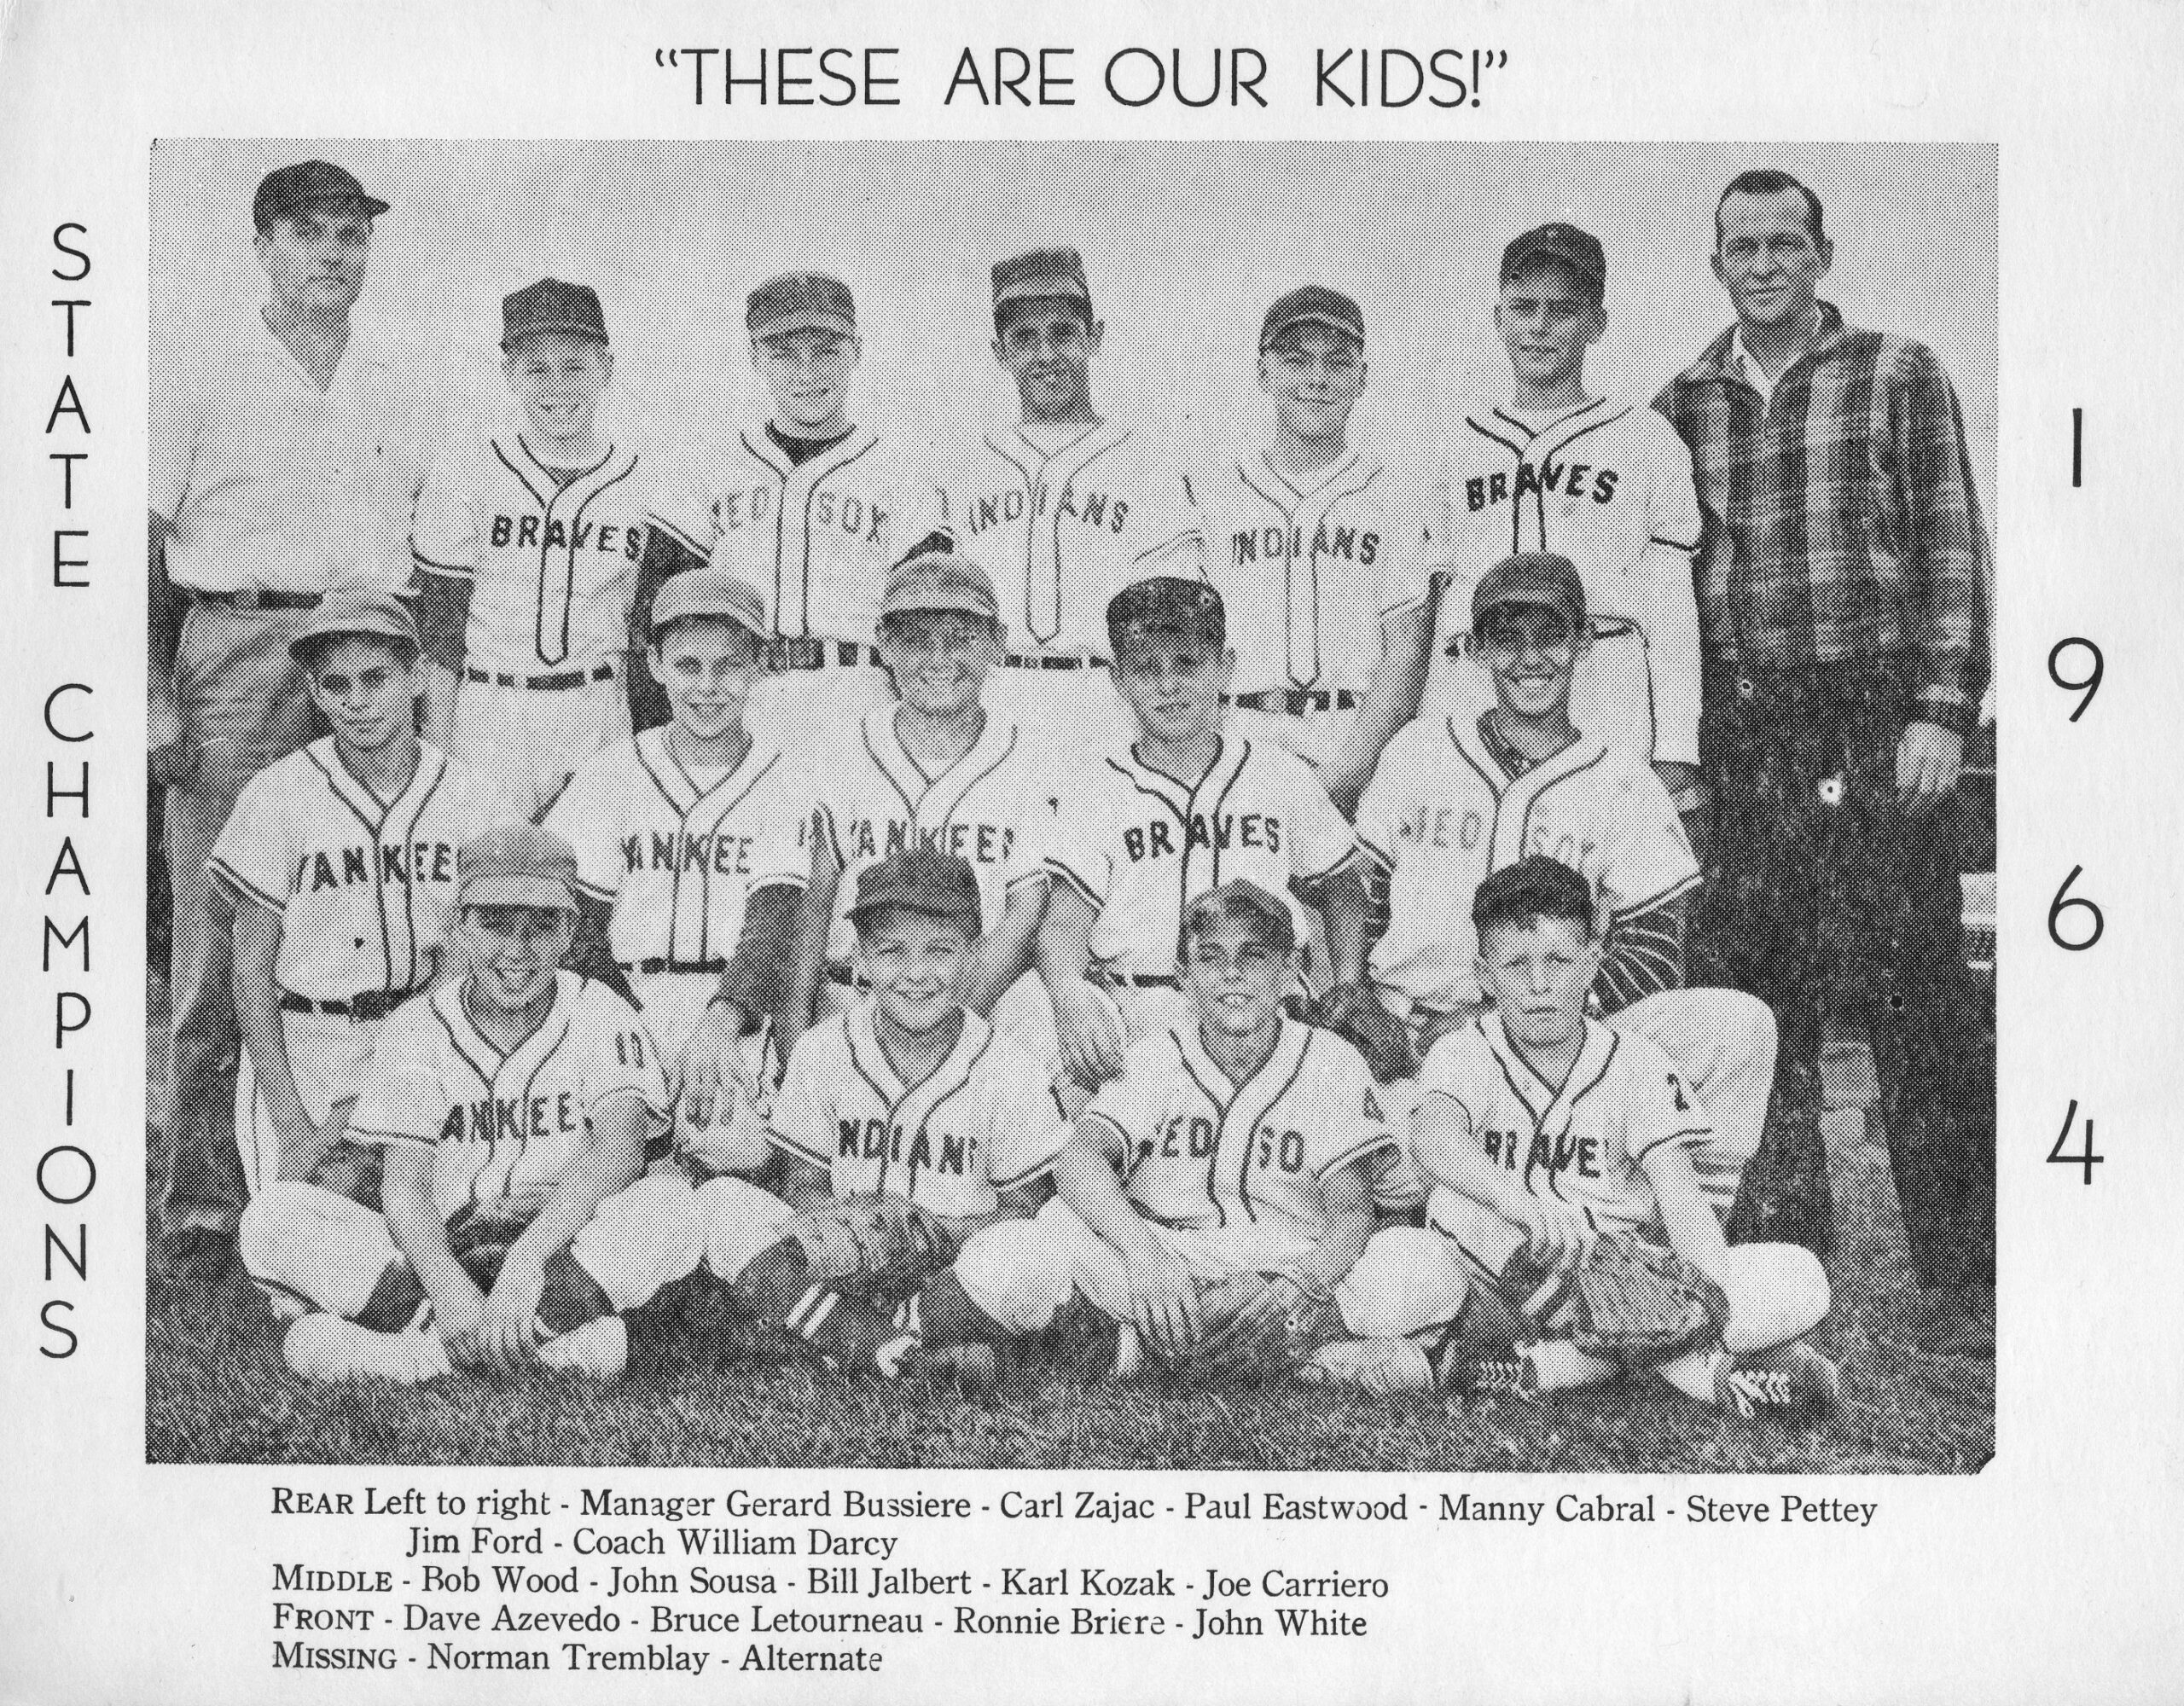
column 1062, row 505
column 1142, row 827
column 523, row 549
column 1549, row 466
column 687, row 843
column 1540, row 1130
column 808, row 506
column 1456, row 797
column 513, row 1104
column 909, row 1102
column 340, row 860
column 1219, row 1186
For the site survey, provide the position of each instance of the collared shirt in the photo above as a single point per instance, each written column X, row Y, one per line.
column 1841, row 520
column 274, row 485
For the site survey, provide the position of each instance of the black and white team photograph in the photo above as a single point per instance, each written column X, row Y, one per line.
column 1075, row 806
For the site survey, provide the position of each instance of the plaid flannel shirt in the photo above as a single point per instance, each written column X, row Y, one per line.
column 1841, row 523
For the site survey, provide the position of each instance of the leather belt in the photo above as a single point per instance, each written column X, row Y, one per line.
column 806, row 653
column 245, row 598
column 373, row 1004
column 1141, row 980
column 1040, row 660
column 653, row 967
column 553, row 683
column 1296, row 701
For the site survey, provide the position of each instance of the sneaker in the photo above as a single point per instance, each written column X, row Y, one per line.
column 599, row 1348
column 1494, row 1377
column 326, row 1347
column 1379, row 1365
column 1793, row 1383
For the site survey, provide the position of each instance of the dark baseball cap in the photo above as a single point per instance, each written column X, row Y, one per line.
column 518, row 864
column 720, row 593
column 305, row 184
column 1055, row 272
column 1167, row 604
column 921, row 880
column 1312, row 304
column 1533, row 578
column 1240, row 901
column 939, row 580
column 801, row 302
column 351, row 611
column 550, row 306
column 1580, row 251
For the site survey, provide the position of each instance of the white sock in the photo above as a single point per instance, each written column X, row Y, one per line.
column 1695, row 1372
column 1559, row 1367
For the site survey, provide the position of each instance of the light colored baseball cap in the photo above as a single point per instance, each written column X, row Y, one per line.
column 710, row 592
column 940, row 580
column 355, row 610
column 518, row 864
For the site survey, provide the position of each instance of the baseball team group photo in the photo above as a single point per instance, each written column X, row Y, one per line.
column 1303, row 806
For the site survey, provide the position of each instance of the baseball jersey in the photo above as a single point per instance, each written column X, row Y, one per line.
column 1441, row 813
column 1059, row 533
column 364, row 886
column 984, row 1122
column 1198, row 1150
column 1297, row 565
column 1140, row 845
column 817, row 539
column 874, row 800
column 499, row 1124
column 551, row 565
column 677, row 856
column 1582, row 1142
column 1608, row 486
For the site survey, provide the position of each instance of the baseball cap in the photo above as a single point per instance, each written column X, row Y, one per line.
column 1574, row 248
column 940, row 581
column 518, row 864
column 709, row 592
column 1241, row 901
column 1167, row 604
column 1040, row 272
column 1537, row 578
column 801, row 302
column 922, row 880
column 304, row 185
column 1312, row 304
column 355, row 610
column 550, row 306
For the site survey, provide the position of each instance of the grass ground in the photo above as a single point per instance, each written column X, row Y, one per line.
column 217, row 1392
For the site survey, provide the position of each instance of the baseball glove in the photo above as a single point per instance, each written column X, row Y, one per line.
column 479, row 1237
column 872, row 1242
column 1632, row 1303
column 1246, row 1337
column 1354, row 1013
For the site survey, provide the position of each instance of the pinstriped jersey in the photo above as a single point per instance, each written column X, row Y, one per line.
column 364, row 886
column 874, row 799
column 676, row 854
column 504, row 1124
column 1060, row 532
column 1141, row 846
column 1199, row 1151
column 1441, row 812
column 1297, row 565
column 551, row 561
column 816, row 538
column 1584, row 1141
column 984, row 1122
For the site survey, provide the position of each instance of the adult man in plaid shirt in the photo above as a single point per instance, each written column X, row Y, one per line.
column 1842, row 595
